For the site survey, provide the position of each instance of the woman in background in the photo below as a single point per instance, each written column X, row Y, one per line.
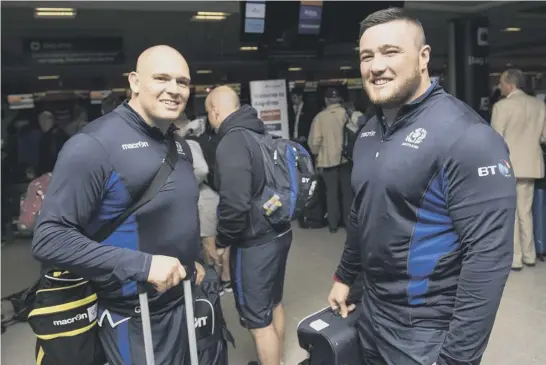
column 208, row 199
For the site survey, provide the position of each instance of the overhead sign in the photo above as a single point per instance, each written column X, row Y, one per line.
column 21, row 101
column 255, row 17
column 74, row 51
column 310, row 17
column 269, row 99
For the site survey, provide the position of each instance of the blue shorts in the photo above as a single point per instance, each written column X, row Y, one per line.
column 257, row 274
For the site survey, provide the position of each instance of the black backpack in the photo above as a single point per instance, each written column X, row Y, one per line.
column 208, row 143
column 350, row 134
column 314, row 213
column 210, row 327
column 290, row 178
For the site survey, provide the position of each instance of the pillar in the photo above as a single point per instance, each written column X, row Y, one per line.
column 468, row 62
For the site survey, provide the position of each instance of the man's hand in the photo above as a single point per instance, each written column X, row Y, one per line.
column 165, row 272
column 338, row 299
column 211, row 253
column 219, row 254
column 199, row 273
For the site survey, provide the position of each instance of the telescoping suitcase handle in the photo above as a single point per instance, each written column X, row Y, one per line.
column 147, row 328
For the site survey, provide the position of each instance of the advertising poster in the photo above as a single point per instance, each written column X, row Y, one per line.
column 269, row 99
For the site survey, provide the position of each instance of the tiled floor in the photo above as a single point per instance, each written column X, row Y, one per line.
column 519, row 336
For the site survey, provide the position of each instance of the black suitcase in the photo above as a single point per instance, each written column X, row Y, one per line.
column 313, row 215
column 330, row 339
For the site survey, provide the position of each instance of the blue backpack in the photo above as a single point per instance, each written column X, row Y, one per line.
column 290, row 178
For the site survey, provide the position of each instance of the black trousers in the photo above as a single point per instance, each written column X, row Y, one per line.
column 339, row 193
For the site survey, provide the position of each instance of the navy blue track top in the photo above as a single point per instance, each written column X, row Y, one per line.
column 432, row 222
column 98, row 174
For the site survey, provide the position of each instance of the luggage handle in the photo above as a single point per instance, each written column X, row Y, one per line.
column 146, row 325
column 147, row 328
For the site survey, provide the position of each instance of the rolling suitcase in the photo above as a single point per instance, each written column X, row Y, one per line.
column 539, row 219
column 330, row 339
column 147, row 329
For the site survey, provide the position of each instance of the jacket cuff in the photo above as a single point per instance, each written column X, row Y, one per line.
column 344, row 278
column 220, row 243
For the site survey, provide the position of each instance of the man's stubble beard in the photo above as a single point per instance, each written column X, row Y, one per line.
column 402, row 93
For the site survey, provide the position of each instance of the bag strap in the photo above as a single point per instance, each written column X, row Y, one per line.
column 361, row 124
column 151, row 191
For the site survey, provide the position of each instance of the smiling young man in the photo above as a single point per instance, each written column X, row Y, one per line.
column 432, row 223
column 99, row 173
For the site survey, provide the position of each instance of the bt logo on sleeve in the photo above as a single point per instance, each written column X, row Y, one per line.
column 503, row 168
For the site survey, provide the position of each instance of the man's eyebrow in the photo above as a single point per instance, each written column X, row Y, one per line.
column 181, row 78
column 381, row 48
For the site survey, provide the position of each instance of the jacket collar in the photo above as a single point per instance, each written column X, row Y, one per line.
column 400, row 120
column 132, row 117
column 514, row 93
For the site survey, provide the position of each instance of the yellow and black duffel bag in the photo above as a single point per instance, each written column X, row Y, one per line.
column 64, row 320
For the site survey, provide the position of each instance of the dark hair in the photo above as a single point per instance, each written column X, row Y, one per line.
column 515, row 77
column 110, row 103
column 386, row 16
column 297, row 91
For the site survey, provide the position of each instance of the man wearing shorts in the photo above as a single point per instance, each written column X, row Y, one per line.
column 258, row 251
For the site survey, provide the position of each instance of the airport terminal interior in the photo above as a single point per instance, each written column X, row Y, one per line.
column 66, row 58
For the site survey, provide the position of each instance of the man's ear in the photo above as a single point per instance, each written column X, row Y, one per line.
column 134, row 82
column 424, row 57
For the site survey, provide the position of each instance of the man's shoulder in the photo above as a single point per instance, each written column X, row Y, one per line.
column 506, row 103
column 112, row 132
column 448, row 110
column 235, row 139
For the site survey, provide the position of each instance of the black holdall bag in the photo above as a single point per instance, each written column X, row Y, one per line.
column 211, row 330
column 64, row 306
column 329, row 339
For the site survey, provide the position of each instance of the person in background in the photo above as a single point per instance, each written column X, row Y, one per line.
column 52, row 141
column 431, row 226
column 326, row 142
column 192, row 131
column 79, row 120
column 300, row 116
column 521, row 120
column 109, row 103
column 259, row 251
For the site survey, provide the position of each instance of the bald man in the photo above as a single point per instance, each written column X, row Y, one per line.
column 258, row 250
column 431, row 228
column 100, row 172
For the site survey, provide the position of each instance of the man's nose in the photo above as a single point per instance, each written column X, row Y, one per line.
column 172, row 87
column 378, row 65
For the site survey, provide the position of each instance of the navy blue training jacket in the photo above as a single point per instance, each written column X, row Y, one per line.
column 432, row 223
column 99, row 173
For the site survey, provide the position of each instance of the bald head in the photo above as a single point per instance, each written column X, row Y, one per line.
column 156, row 54
column 224, row 97
column 160, row 86
column 220, row 103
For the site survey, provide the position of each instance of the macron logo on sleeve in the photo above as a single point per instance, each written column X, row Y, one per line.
column 131, row 146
